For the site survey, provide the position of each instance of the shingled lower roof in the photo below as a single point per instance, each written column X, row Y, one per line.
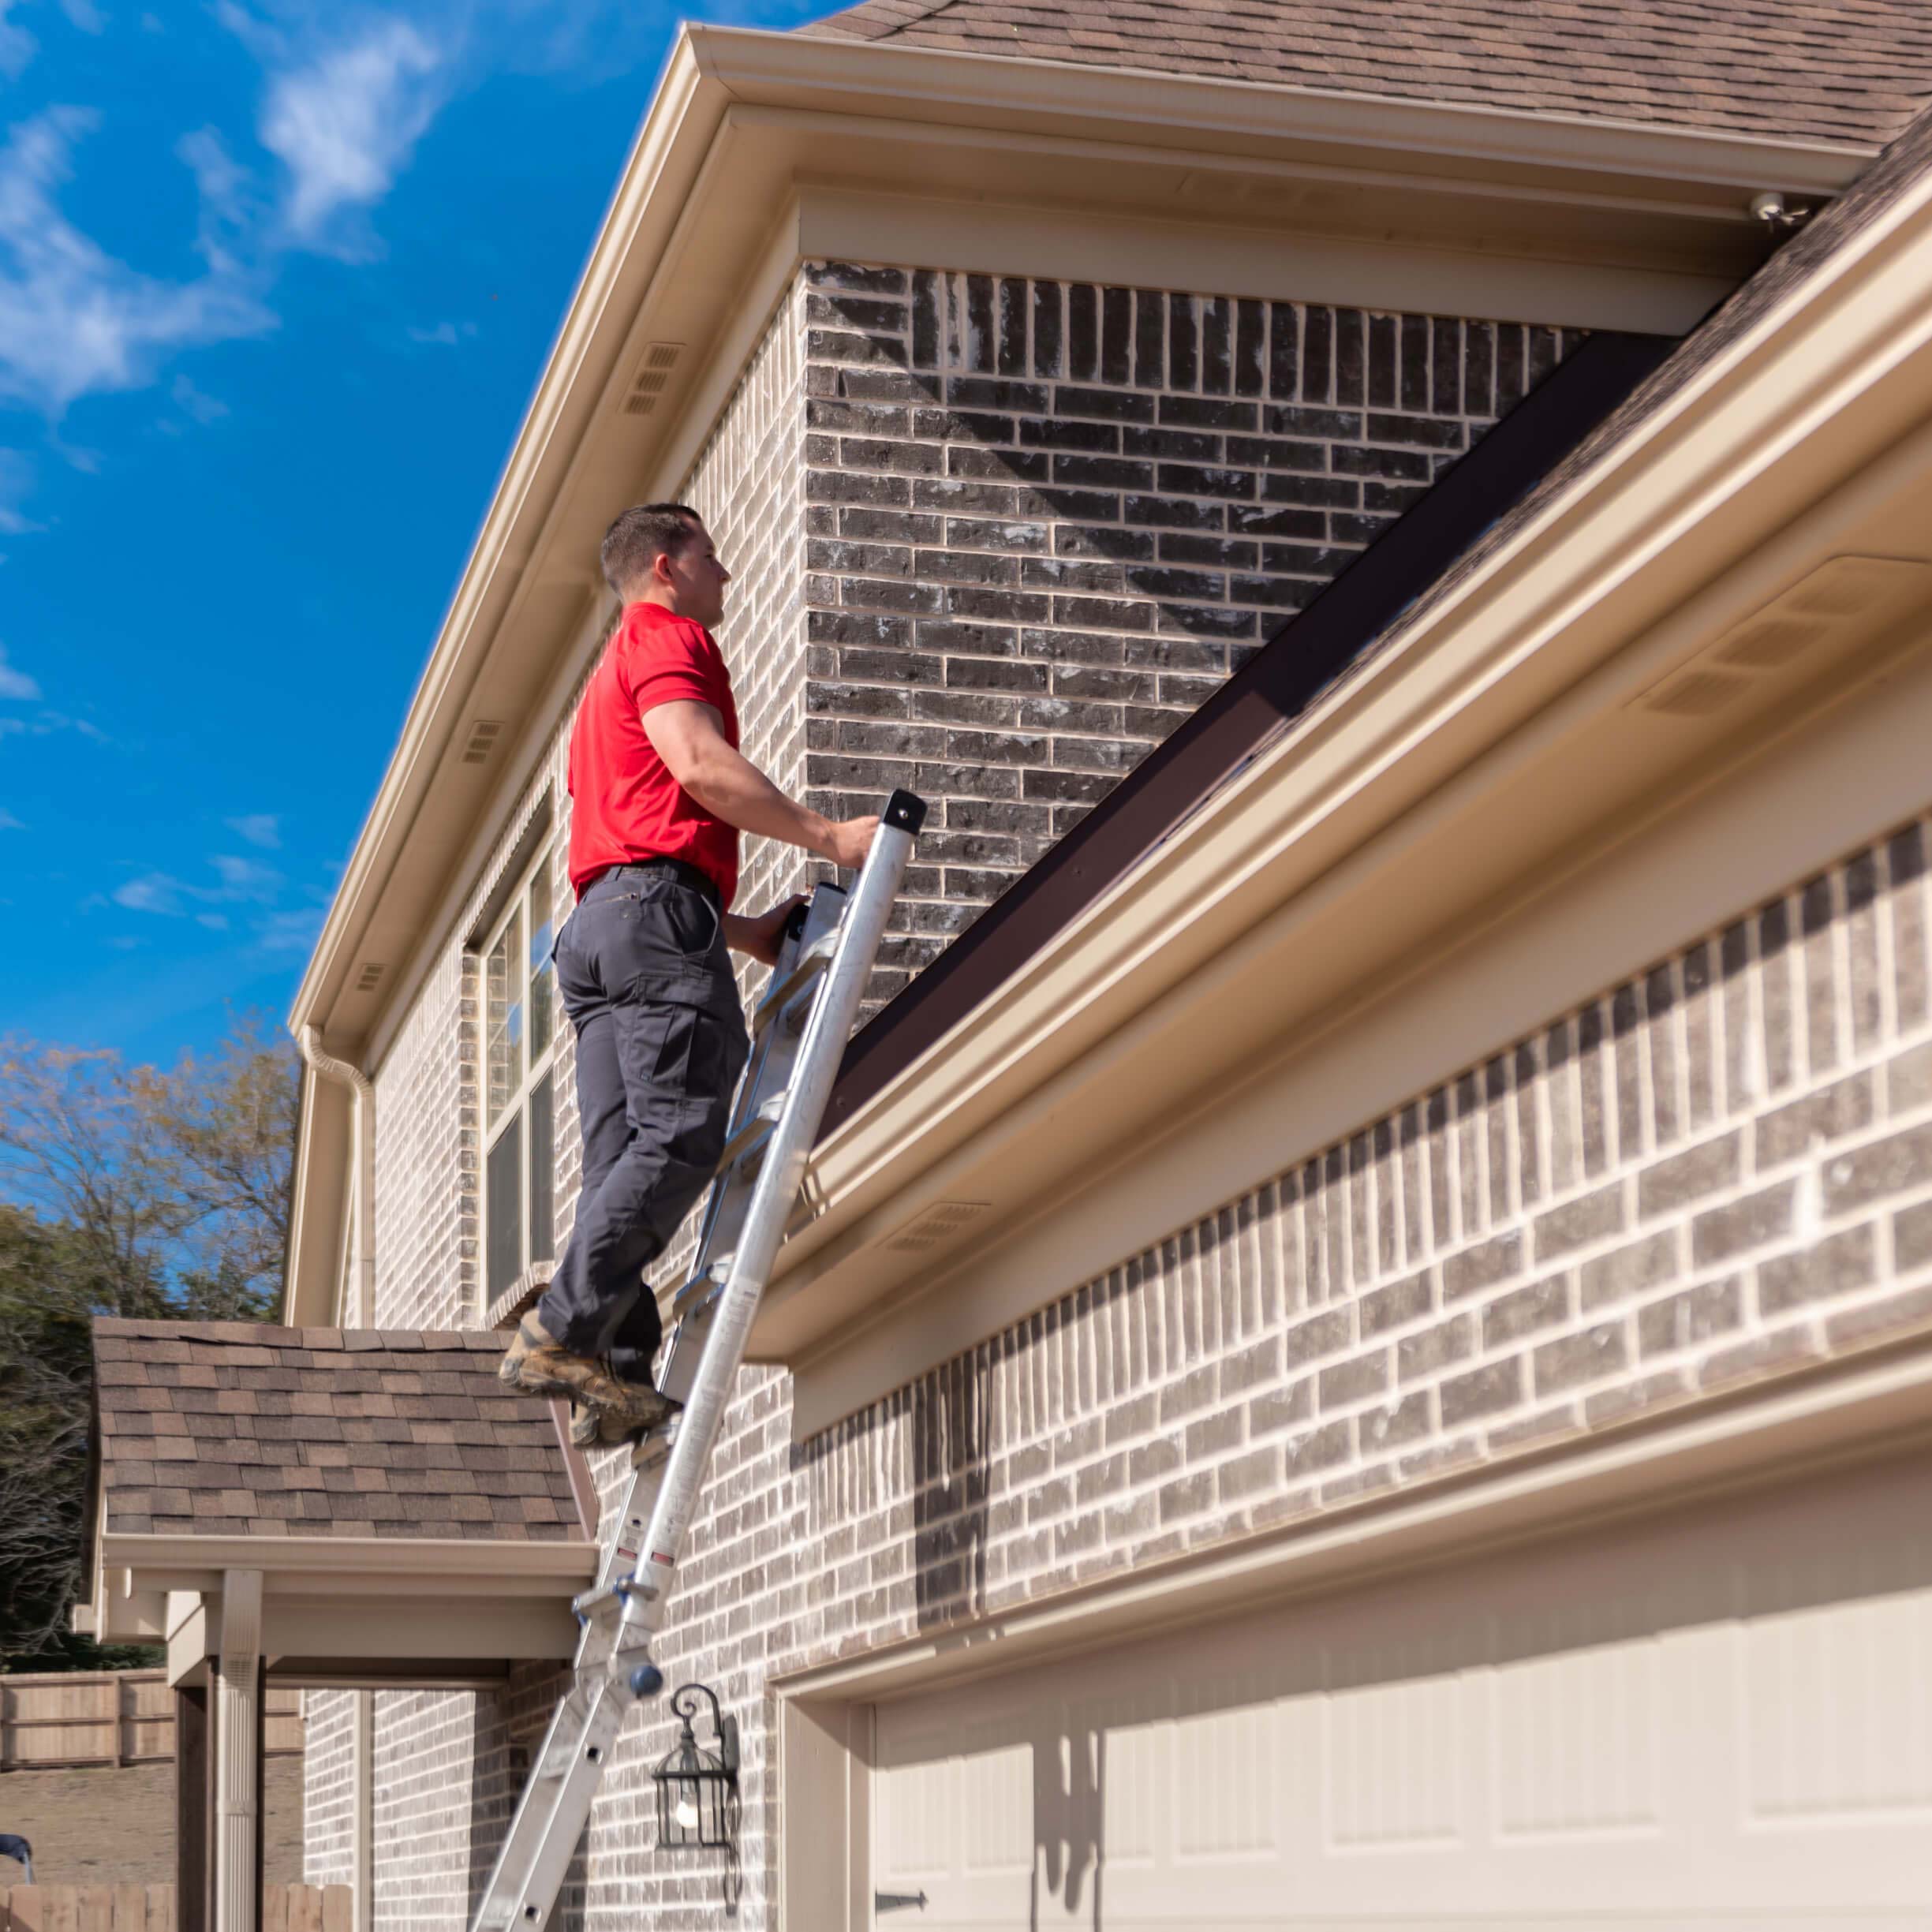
column 1853, row 73
column 231, row 1429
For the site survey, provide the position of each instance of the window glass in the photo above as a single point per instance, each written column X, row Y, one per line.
column 542, row 1168
column 543, row 1011
column 520, row 1027
column 503, row 1238
column 503, row 1022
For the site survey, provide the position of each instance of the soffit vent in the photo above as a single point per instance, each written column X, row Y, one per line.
column 1844, row 601
column 653, row 377
column 366, row 980
column 935, row 1224
column 483, row 736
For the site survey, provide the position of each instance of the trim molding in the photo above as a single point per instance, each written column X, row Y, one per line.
column 999, row 236
column 1806, row 797
column 362, row 1566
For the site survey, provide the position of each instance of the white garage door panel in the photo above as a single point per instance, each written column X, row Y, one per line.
column 1717, row 1720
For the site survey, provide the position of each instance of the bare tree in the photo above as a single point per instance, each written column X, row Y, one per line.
column 123, row 1190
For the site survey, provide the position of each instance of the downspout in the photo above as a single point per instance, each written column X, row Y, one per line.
column 362, row 1271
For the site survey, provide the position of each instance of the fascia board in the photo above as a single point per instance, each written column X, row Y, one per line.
column 350, row 1566
column 665, row 159
column 791, row 69
column 1821, row 383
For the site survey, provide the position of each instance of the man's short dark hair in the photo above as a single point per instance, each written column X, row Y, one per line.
column 644, row 532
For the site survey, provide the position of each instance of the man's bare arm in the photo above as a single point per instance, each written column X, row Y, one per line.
column 689, row 738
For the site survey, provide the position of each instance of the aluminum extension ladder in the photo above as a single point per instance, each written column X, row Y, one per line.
column 798, row 1035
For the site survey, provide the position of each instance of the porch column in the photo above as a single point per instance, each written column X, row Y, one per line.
column 363, row 1796
column 194, row 1786
column 238, row 1747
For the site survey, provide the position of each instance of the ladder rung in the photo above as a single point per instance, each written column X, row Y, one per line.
column 754, row 1133
column 809, row 965
column 699, row 1286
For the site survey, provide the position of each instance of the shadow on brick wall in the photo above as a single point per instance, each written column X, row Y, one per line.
column 951, row 1481
column 510, row 1732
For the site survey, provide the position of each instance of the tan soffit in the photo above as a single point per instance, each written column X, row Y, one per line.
column 744, row 125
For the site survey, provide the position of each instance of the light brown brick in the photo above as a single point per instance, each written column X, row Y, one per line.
column 1576, row 1224
column 1481, row 1392
column 1835, row 1266
column 1750, row 1223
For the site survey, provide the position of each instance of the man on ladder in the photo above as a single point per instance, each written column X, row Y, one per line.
column 660, row 793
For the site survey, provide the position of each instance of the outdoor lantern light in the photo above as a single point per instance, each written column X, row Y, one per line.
column 697, row 1788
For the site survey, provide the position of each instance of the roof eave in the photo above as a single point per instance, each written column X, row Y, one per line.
column 712, row 68
column 1802, row 402
column 790, row 68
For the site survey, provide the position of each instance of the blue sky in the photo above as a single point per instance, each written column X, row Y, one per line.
column 276, row 282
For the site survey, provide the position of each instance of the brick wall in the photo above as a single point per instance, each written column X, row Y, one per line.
column 1046, row 519
column 436, row 1763
column 328, row 1788
column 748, row 485
column 993, row 539
column 427, row 1152
column 1717, row 1170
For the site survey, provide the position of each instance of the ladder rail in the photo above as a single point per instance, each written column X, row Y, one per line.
column 826, row 962
column 780, row 1176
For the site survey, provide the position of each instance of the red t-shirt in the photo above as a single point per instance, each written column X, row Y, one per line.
column 625, row 804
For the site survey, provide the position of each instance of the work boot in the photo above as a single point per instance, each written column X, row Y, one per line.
column 537, row 1366
column 595, row 1429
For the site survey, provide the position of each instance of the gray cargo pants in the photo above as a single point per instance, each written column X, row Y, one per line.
column 645, row 978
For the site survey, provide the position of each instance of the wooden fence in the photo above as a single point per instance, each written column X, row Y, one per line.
column 151, row 1908
column 110, row 1718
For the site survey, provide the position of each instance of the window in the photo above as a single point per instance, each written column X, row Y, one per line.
column 519, row 1029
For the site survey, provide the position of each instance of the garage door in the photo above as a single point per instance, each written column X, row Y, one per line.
column 1720, row 1719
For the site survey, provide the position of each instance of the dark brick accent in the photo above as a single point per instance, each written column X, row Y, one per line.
column 969, row 432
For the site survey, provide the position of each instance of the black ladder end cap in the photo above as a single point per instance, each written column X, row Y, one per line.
column 905, row 811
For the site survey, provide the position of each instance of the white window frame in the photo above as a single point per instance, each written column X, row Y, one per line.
column 536, row 978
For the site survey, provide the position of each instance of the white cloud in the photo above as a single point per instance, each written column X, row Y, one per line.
column 345, row 123
column 228, row 209
column 74, row 320
column 290, row 931
column 197, row 403
column 445, row 334
column 242, row 881
column 84, row 15
column 155, row 892
column 9, row 822
column 17, row 45
column 244, row 878
column 16, row 477
column 16, row 684
column 259, row 828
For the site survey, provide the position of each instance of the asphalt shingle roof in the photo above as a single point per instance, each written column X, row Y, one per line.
column 231, row 1429
column 1855, row 72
